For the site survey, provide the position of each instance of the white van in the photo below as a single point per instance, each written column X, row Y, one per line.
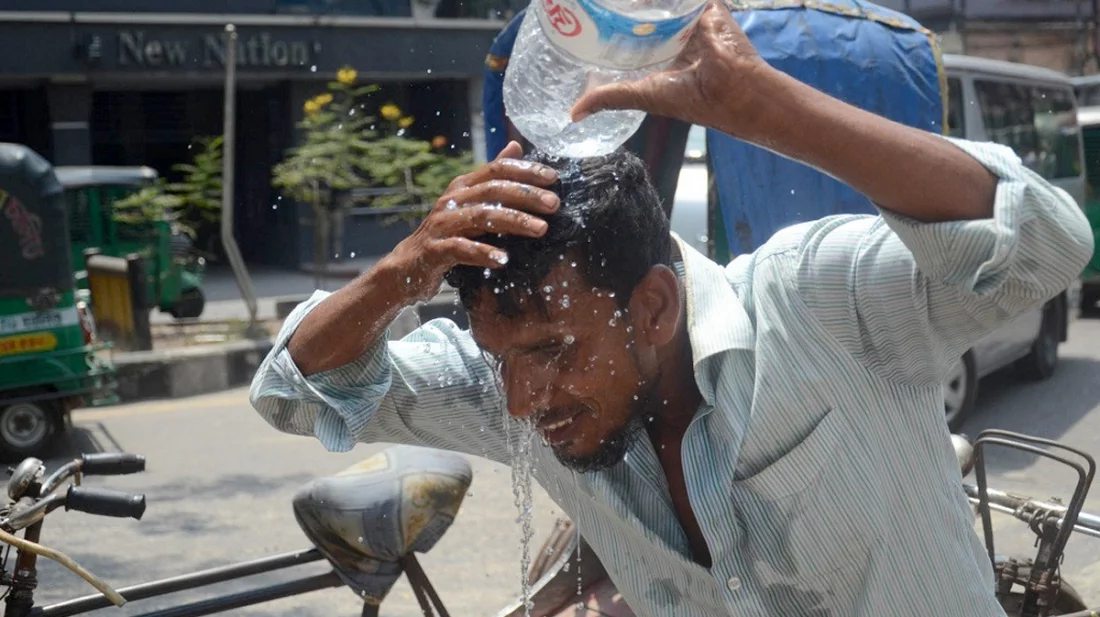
column 1032, row 110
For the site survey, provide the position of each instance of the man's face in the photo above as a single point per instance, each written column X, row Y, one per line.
column 574, row 374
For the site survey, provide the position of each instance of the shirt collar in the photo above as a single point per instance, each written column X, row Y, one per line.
column 716, row 320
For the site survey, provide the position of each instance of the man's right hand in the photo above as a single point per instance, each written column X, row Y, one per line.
column 499, row 197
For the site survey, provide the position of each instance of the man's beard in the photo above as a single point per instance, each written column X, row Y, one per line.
column 614, row 447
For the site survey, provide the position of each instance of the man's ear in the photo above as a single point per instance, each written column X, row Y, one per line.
column 655, row 306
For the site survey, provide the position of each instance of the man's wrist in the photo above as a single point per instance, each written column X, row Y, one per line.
column 770, row 103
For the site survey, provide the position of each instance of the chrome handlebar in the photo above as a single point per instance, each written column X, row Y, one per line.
column 1033, row 511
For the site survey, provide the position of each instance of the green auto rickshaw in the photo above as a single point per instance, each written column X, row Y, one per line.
column 50, row 358
column 1089, row 120
column 174, row 272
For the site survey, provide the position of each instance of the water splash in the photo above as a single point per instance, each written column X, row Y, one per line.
column 520, row 438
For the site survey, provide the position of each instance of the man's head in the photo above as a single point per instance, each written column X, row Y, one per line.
column 579, row 320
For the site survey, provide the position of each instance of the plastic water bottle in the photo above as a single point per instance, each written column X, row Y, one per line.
column 565, row 47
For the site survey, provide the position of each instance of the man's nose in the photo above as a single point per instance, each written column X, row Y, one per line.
column 526, row 394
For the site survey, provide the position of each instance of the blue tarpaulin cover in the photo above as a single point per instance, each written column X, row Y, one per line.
column 859, row 52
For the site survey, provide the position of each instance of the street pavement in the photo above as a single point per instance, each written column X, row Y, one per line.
column 219, row 484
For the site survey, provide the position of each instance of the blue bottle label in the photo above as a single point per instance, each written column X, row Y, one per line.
column 600, row 36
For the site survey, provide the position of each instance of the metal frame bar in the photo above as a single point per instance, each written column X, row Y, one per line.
column 204, row 578
column 1050, row 550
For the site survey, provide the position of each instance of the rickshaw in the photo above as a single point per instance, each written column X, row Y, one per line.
column 174, row 273
column 50, row 359
column 1089, row 120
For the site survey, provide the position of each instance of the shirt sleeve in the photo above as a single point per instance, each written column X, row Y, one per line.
column 432, row 388
column 908, row 298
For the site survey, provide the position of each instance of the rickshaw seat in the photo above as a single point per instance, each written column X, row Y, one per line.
column 365, row 518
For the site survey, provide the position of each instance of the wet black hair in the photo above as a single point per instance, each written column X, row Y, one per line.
column 610, row 224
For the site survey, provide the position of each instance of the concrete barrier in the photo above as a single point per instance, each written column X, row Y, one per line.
column 187, row 371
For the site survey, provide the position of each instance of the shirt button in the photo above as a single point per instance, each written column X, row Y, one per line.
column 734, row 583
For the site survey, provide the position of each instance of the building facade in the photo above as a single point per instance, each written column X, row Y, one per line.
column 1056, row 34
column 135, row 81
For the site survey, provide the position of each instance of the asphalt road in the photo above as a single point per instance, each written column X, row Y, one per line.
column 219, row 482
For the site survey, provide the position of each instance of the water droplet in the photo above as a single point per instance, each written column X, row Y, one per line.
column 429, row 71
column 408, row 280
column 451, row 204
column 569, row 339
column 487, row 272
column 360, row 539
column 611, row 322
column 469, row 493
column 565, row 301
column 548, row 289
column 352, row 255
column 313, row 69
column 573, row 264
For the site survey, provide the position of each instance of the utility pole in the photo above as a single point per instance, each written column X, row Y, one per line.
column 229, row 152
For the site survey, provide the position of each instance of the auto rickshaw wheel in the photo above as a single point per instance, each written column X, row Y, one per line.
column 191, row 304
column 29, row 428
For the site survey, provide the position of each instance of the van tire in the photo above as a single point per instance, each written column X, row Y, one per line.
column 190, row 305
column 1039, row 364
column 1090, row 301
column 960, row 391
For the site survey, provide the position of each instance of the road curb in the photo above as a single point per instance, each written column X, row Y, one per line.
column 188, row 371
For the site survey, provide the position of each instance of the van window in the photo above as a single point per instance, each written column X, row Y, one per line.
column 1038, row 122
column 956, row 112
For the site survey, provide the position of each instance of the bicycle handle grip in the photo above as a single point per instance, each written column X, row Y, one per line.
column 111, row 463
column 105, row 502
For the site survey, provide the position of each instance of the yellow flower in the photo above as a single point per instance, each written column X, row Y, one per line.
column 405, row 122
column 311, row 107
column 390, row 111
column 323, row 99
column 346, row 75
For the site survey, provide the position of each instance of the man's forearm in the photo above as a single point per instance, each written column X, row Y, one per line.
column 348, row 322
column 903, row 169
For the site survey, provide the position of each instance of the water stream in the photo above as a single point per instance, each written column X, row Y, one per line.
column 520, row 437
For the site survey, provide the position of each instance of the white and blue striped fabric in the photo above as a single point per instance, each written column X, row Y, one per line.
column 819, row 466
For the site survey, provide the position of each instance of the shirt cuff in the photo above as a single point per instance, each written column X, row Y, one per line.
column 342, row 393
column 973, row 253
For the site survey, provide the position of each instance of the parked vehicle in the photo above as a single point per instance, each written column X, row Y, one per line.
column 174, row 273
column 50, row 359
column 1089, row 120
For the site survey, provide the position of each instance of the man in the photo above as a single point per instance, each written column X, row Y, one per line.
column 761, row 439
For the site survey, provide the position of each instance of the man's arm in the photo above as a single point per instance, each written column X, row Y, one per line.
column 905, row 170
column 908, row 297
column 431, row 388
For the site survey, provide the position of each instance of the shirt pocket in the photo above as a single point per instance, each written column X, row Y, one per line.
column 813, row 512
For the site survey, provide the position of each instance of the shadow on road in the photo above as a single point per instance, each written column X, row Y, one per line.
column 1050, row 409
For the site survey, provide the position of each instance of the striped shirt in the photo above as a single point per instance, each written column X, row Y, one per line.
column 819, row 465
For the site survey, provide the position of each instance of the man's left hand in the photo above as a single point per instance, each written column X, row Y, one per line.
column 711, row 83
